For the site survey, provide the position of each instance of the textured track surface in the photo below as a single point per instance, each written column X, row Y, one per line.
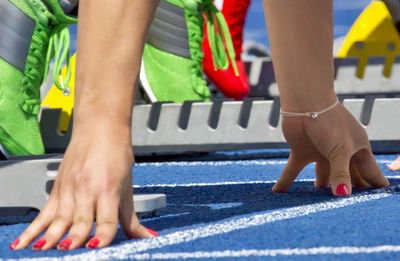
column 226, row 209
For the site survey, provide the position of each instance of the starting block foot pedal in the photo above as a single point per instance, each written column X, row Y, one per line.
column 147, row 205
column 26, row 182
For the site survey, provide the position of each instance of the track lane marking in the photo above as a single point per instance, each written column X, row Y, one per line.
column 225, row 163
column 228, row 183
column 128, row 250
column 271, row 252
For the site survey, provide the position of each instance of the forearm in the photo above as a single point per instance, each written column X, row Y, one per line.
column 301, row 40
column 111, row 35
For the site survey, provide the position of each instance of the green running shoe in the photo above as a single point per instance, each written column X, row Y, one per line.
column 171, row 67
column 31, row 33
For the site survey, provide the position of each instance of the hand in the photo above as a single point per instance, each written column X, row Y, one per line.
column 339, row 146
column 395, row 165
column 94, row 181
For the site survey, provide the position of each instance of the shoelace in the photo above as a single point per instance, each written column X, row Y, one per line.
column 217, row 29
column 215, row 20
column 37, row 65
column 59, row 48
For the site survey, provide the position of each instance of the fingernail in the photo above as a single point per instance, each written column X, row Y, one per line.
column 342, row 189
column 93, row 243
column 39, row 244
column 65, row 244
column 154, row 233
column 14, row 244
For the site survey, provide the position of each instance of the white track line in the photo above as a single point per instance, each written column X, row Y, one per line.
column 128, row 250
column 228, row 183
column 271, row 252
column 226, row 163
column 214, row 163
column 218, row 183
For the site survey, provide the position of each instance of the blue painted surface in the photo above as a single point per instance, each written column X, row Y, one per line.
column 248, row 194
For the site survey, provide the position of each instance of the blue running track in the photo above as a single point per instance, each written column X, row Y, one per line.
column 225, row 209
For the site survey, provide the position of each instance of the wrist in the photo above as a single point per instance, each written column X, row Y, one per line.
column 308, row 101
column 102, row 126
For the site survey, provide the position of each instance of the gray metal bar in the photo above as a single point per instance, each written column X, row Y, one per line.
column 228, row 134
column 26, row 182
column 263, row 84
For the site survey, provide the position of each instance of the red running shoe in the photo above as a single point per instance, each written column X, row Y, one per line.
column 226, row 81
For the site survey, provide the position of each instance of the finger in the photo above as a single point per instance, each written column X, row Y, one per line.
column 395, row 165
column 38, row 226
column 340, row 176
column 356, row 180
column 82, row 223
column 128, row 219
column 289, row 174
column 106, row 221
column 369, row 169
column 42, row 221
column 60, row 224
column 322, row 170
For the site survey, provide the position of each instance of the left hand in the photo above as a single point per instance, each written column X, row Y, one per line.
column 339, row 146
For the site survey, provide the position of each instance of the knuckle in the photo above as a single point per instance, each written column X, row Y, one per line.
column 341, row 175
column 81, row 181
column 111, row 186
column 107, row 223
column 62, row 220
column 337, row 153
column 83, row 220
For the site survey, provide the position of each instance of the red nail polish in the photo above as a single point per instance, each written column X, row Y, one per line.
column 39, row 244
column 342, row 190
column 65, row 244
column 154, row 233
column 93, row 243
column 14, row 244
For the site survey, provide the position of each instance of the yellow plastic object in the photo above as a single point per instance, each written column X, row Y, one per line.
column 55, row 99
column 373, row 34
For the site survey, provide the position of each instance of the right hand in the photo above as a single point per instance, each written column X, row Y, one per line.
column 93, row 181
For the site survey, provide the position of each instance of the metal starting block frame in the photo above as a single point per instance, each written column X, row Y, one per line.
column 254, row 123
column 263, row 83
column 26, row 182
column 213, row 126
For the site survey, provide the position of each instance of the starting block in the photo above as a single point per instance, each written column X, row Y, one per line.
column 26, row 182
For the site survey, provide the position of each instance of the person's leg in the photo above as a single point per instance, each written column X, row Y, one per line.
column 301, row 40
column 95, row 175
